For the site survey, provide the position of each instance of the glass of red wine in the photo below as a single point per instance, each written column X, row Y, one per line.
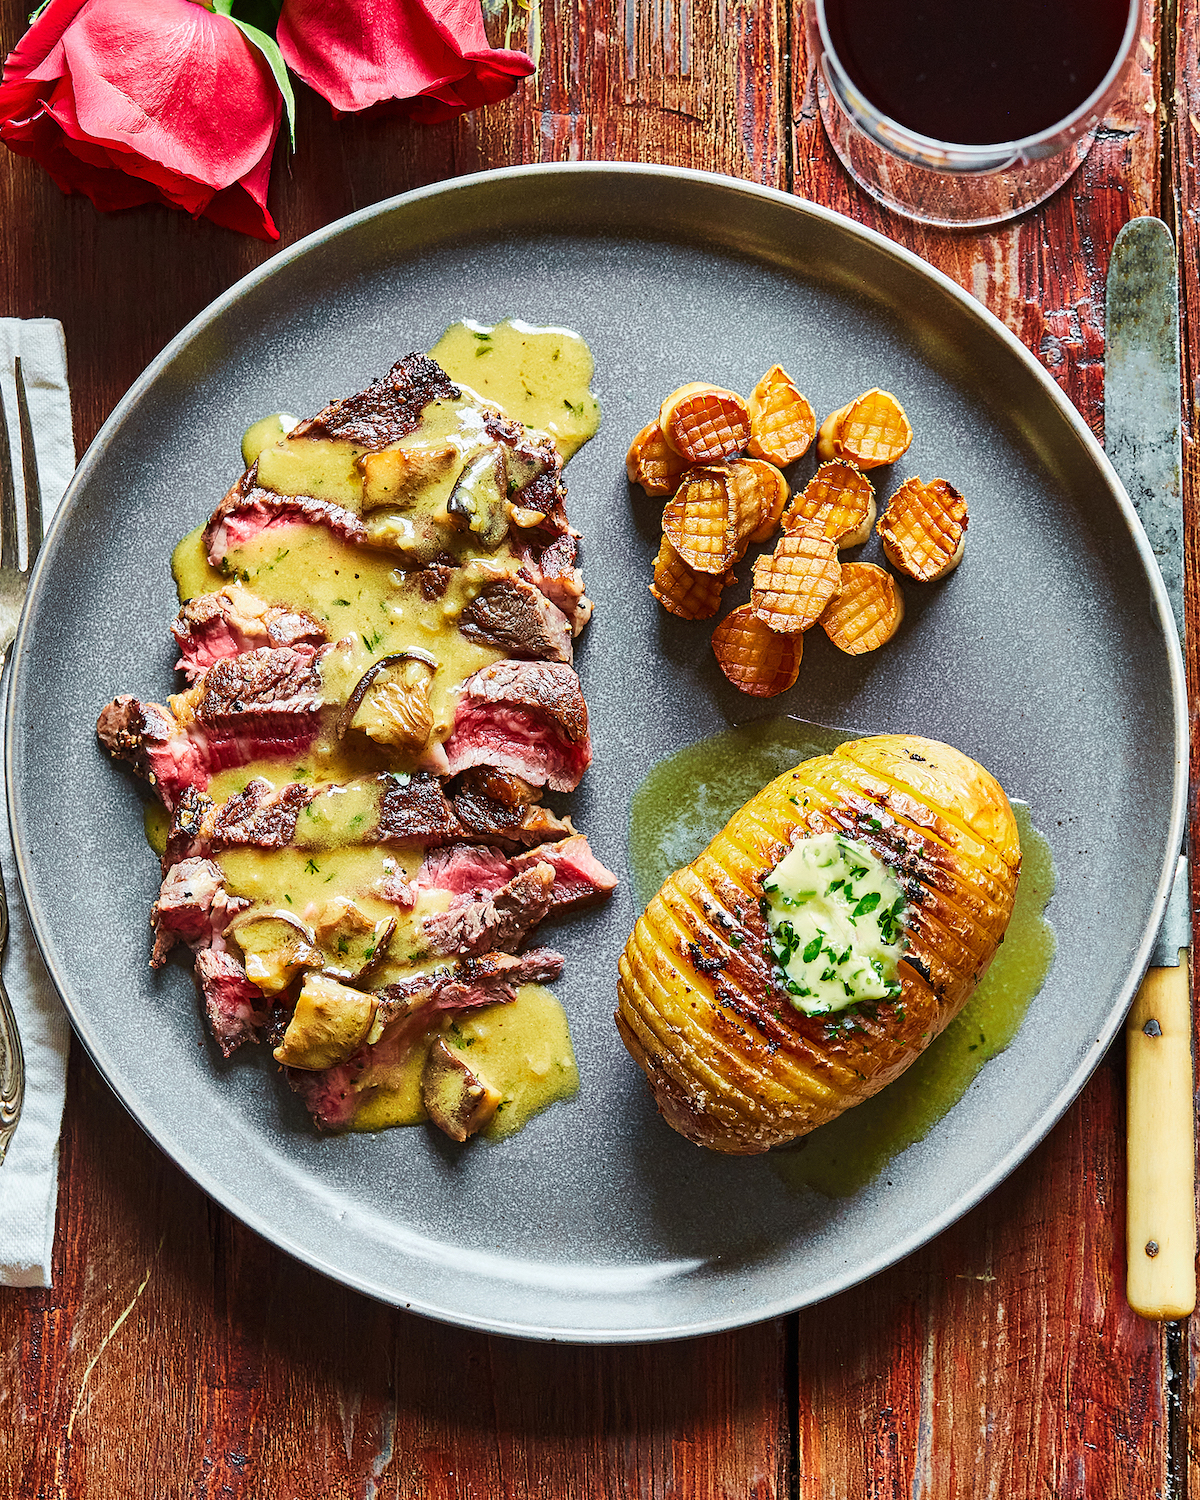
column 966, row 112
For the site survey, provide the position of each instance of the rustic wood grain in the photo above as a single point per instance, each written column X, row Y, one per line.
column 1002, row 1359
column 177, row 1353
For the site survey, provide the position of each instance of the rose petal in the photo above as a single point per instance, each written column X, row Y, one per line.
column 137, row 101
column 363, row 54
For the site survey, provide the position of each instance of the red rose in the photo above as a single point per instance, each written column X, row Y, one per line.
column 146, row 101
column 428, row 59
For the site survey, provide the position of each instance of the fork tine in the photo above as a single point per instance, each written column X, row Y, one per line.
column 29, row 470
column 9, row 556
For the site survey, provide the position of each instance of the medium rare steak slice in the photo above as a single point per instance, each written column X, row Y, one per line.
column 500, row 920
column 389, row 409
column 511, row 613
column 213, row 626
column 247, row 510
column 464, row 870
column 553, row 570
column 150, row 738
column 235, row 1008
column 525, row 717
column 406, row 1010
column 579, row 876
column 263, row 703
column 469, row 872
column 192, row 907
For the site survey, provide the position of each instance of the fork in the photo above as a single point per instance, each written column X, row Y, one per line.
column 13, row 582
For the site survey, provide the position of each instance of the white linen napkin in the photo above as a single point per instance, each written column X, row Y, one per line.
column 29, row 1175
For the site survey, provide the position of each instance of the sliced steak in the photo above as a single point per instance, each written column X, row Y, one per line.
column 159, row 749
column 235, row 1008
column 498, row 806
column 388, row 409
column 248, row 510
column 260, row 704
column 553, row 569
column 263, row 703
column 492, row 978
column 414, row 807
column 192, row 907
column 579, row 877
column 509, row 612
column 191, row 828
column 465, row 870
column 263, row 816
column 233, row 620
column 469, row 872
column 330, row 1097
column 525, row 717
column 500, row 920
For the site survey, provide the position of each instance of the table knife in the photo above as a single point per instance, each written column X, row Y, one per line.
column 1142, row 423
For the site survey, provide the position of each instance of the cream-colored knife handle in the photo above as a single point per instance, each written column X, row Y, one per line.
column 1161, row 1215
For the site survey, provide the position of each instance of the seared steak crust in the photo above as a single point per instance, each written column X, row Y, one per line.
column 388, row 409
column 273, row 692
column 549, row 689
column 247, row 510
column 262, row 817
column 500, row 920
column 415, row 807
column 192, row 907
column 496, row 805
column 212, row 626
column 527, row 717
column 511, row 613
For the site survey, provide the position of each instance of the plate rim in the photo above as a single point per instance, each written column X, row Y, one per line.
column 272, row 1230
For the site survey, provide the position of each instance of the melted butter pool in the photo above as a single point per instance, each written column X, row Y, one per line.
column 691, row 795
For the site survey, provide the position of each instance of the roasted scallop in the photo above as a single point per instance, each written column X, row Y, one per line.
column 839, row 499
column 651, row 463
column 741, row 1052
column 794, row 583
column 870, row 431
column 681, row 590
column 700, row 520
column 756, row 659
column 704, row 422
column 924, row 529
column 866, row 611
column 782, row 424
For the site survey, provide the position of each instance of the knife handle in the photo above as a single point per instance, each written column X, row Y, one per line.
column 1161, row 1203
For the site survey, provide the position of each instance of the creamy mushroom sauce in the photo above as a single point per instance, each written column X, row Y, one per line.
column 372, row 607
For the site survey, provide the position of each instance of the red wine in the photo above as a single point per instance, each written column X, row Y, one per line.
column 974, row 72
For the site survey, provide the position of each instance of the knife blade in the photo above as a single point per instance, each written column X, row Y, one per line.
column 1142, row 423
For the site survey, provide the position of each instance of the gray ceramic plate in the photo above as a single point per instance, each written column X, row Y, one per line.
column 1046, row 655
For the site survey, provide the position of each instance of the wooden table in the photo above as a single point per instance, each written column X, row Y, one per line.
column 177, row 1354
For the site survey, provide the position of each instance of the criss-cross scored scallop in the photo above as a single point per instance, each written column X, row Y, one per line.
column 866, row 611
column 793, row 585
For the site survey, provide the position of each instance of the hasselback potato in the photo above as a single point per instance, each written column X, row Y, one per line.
column 753, row 1028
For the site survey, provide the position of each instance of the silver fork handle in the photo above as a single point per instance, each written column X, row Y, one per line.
column 12, row 1058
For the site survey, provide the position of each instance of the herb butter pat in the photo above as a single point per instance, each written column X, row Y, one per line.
column 835, row 917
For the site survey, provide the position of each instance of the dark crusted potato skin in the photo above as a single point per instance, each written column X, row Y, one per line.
column 733, row 1065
